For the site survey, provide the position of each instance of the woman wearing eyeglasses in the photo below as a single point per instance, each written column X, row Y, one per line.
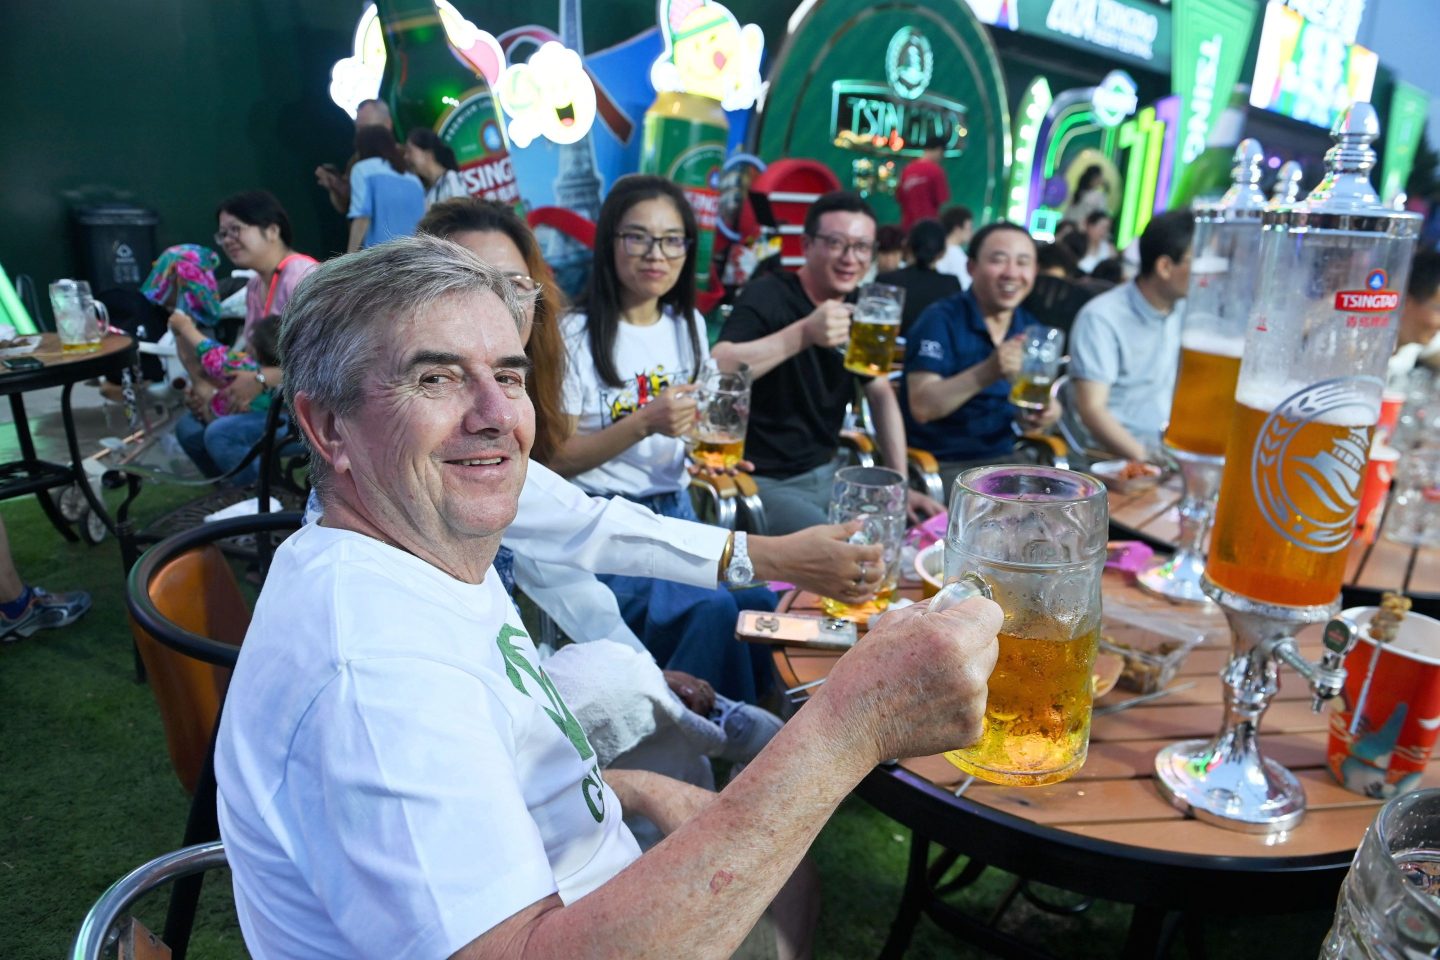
column 254, row 231
column 635, row 345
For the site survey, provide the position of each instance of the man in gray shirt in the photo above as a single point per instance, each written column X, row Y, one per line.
column 1125, row 345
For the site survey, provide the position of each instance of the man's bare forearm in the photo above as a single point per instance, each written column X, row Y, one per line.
column 705, row 885
column 765, row 354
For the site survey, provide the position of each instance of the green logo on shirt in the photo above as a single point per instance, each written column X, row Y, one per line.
column 515, row 664
column 592, row 788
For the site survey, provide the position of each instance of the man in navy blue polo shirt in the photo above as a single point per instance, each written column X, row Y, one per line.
column 962, row 354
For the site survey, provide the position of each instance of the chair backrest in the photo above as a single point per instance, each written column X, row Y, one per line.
column 196, row 591
column 90, row 939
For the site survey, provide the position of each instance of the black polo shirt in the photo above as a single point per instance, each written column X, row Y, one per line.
column 797, row 409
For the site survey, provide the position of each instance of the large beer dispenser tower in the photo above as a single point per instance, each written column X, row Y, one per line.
column 1332, row 272
column 1223, row 275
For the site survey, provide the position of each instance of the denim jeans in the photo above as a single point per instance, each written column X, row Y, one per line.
column 693, row 628
column 217, row 447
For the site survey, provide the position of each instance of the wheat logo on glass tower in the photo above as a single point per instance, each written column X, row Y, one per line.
column 1309, row 460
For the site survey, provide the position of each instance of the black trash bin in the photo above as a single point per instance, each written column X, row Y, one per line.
column 115, row 244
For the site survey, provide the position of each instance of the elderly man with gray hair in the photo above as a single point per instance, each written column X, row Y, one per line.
column 398, row 777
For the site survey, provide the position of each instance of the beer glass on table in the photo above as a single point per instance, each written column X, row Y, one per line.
column 876, row 497
column 1035, row 537
column 1389, row 904
column 1039, row 366
column 722, row 414
column 78, row 316
column 874, row 327
column 1223, row 274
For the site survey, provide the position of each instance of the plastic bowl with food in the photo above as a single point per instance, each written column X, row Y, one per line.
column 1126, row 476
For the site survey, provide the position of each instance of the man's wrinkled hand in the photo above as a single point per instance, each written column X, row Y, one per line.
column 915, row 685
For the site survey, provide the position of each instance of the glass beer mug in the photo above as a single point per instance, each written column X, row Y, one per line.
column 722, row 414
column 1034, row 537
column 874, row 328
column 876, row 497
column 1040, row 365
column 1389, row 905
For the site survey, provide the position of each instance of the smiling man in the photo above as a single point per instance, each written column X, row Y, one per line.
column 398, row 777
column 963, row 353
column 791, row 328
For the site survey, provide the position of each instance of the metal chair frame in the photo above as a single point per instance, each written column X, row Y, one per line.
column 95, row 933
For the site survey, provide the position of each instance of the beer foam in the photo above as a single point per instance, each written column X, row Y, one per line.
column 1210, row 264
column 1208, row 341
column 1266, row 397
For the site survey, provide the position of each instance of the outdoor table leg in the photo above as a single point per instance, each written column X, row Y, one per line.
column 27, row 453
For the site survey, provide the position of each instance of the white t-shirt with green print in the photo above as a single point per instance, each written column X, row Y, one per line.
column 397, row 774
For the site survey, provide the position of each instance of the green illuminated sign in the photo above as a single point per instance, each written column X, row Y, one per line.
column 1144, row 138
column 1408, row 107
column 1211, row 37
column 843, row 87
column 1029, row 115
column 869, row 118
column 909, row 63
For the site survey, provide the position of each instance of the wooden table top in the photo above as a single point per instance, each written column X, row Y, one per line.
column 1113, row 798
column 1372, row 568
column 61, row 368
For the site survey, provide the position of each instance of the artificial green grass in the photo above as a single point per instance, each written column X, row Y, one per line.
column 87, row 793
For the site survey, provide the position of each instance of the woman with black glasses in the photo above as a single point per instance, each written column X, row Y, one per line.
column 635, row 345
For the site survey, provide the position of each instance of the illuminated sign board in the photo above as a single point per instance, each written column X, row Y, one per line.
column 1130, row 29
column 1306, row 72
column 869, row 117
column 1107, row 23
column 1115, row 98
column 1338, row 16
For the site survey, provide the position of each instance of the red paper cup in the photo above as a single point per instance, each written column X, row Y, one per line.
column 1391, row 403
column 1379, row 474
column 1396, row 689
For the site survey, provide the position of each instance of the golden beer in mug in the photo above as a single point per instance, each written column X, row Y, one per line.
column 874, row 328
column 872, row 347
column 1035, row 536
column 1288, row 499
column 717, row 450
column 1037, row 716
column 876, row 497
column 1031, row 391
column 1039, row 366
column 1204, row 394
column 860, row 612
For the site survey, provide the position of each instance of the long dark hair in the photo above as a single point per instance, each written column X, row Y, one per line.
column 374, row 140
column 428, row 140
column 546, row 348
column 1091, row 176
column 601, row 303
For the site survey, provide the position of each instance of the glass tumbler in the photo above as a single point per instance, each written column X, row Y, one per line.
column 1035, row 538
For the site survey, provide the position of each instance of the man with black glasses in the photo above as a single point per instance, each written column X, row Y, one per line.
column 791, row 329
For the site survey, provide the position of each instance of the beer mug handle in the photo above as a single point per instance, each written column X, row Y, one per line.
column 103, row 314
column 959, row 590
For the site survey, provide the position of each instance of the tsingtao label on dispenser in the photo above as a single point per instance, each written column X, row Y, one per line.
column 1373, row 299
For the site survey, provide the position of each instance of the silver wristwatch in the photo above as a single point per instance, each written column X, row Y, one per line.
column 740, row 570
column 260, row 379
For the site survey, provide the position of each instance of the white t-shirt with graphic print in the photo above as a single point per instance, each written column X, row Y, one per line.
column 397, row 774
column 647, row 359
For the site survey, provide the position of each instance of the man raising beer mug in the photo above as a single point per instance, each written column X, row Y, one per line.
column 965, row 352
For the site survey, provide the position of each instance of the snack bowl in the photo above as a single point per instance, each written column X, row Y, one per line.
column 1151, row 648
column 1127, row 476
